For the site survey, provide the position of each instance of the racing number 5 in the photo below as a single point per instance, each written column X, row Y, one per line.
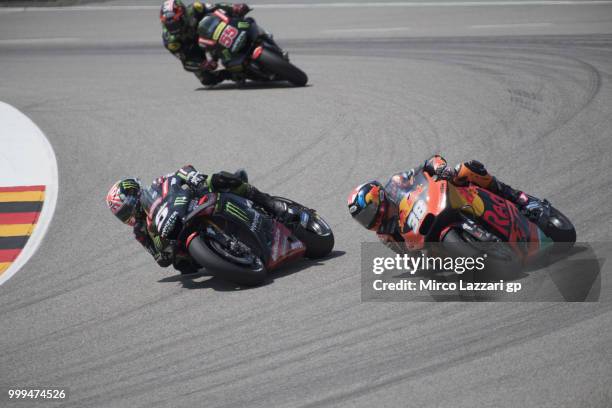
column 227, row 37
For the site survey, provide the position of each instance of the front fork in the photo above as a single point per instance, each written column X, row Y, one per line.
column 230, row 243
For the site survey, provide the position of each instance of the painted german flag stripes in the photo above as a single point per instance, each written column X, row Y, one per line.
column 19, row 211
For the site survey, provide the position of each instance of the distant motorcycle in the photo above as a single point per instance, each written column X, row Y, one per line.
column 237, row 240
column 246, row 51
column 462, row 217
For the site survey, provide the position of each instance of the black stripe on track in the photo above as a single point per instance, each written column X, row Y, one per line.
column 21, row 206
column 13, row 242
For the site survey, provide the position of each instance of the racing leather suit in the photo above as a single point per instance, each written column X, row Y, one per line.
column 184, row 45
column 169, row 198
column 470, row 172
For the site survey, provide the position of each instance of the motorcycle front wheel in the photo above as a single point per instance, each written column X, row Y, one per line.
column 244, row 269
column 274, row 63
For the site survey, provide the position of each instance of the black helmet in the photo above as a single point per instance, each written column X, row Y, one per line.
column 172, row 15
column 123, row 199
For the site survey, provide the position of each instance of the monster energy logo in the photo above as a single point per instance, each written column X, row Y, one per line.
column 236, row 211
column 180, row 201
column 129, row 184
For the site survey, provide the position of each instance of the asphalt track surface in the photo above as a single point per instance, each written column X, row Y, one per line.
column 524, row 89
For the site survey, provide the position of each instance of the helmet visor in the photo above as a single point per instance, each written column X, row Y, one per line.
column 367, row 216
column 127, row 210
column 173, row 26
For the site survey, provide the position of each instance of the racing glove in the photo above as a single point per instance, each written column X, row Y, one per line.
column 435, row 165
column 445, row 173
column 195, row 179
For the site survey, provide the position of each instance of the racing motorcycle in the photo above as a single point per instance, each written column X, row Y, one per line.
column 237, row 240
column 461, row 218
column 246, row 51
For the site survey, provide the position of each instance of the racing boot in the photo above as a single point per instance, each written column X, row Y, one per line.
column 505, row 191
column 532, row 207
column 475, row 172
column 242, row 175
column 277, row 208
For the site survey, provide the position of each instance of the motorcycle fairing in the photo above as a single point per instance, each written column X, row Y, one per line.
column 419, row 201
column 284, row 247
column 422, row 200
column 206, row 206
column 499, row 216
column 229, row 36
column 280, row 243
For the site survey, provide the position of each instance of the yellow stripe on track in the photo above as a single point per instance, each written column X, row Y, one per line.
column 15, row 196
column 4, row 266
column 16, row 230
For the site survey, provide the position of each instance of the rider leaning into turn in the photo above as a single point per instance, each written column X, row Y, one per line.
column 156, row 212
column 374, row 206
column 180, row 34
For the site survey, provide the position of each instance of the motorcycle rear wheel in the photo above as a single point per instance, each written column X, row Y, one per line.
column 318, row 237
column 317, row 246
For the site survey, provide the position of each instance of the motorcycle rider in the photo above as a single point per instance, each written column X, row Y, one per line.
column 156, row 212
column 209, row 42
column 376, row 207
column 179, row 33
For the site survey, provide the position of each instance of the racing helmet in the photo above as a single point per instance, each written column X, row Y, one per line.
column 172, row 15
column 123, row 199
column 367, row 204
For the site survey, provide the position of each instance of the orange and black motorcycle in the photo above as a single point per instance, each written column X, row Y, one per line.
column 432, row 210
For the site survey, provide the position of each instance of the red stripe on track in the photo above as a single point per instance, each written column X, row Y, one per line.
column 21, row 188
column 19, row 218
column 9, row 255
